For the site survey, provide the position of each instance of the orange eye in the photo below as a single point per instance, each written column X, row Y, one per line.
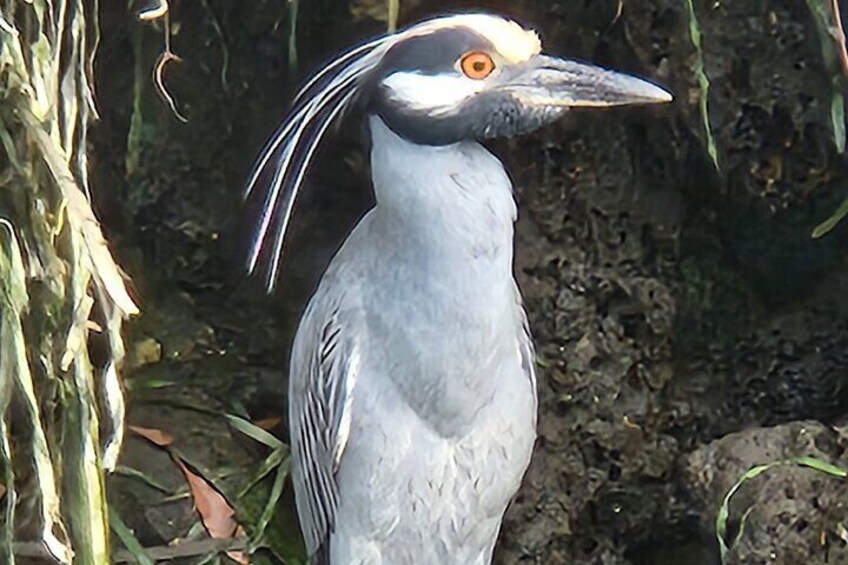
column 477, row 65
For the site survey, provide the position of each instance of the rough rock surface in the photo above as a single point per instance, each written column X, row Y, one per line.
column 792, row 514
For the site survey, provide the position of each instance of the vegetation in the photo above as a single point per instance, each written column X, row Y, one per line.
column 60, row 290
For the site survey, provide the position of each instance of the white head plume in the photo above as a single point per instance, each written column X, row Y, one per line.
column 326, row 96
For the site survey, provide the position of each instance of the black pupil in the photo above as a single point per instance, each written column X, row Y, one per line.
column 479, row 66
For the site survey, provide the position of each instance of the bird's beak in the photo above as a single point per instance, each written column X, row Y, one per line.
column 549, row 81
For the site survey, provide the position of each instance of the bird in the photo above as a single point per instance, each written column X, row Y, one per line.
column 412, row 389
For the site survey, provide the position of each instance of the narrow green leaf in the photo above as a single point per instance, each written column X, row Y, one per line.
column 271, row 506
column 254, row 432
column 827, row 32
column 822, row 466
column 703, row 81
column 128, row 538
column 268, row 465
column 826, row 226
column 724, row 509
column 131, row 473
column 141, row 383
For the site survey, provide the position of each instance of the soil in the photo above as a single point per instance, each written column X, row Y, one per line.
column 687, row 325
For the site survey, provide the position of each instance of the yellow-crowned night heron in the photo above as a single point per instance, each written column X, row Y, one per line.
column 412, row 398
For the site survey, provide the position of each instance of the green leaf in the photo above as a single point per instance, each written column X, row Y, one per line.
column 822, row 466
column 703, row 81
column 131, row 473
column 128, row 538
column 254, row 432
column 826, row 226
column 827, row 31
column 271, row 506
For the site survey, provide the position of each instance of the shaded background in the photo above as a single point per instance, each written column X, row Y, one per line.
column 688, row 327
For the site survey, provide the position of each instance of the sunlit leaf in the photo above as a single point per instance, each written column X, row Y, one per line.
column 822, row 466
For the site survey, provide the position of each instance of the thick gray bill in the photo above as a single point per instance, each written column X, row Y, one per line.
column 549, row 81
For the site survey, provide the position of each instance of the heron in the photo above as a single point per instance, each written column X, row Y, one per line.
column 412, row 389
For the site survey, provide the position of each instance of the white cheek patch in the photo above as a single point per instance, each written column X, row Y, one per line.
column 431, row 93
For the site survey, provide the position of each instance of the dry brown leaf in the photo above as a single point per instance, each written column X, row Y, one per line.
column 215, row 512
column 217, row 515
column 241, row 557
column 154, row 436
column 2, row 490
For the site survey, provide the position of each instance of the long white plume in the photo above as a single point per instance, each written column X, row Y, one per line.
column 325, row 97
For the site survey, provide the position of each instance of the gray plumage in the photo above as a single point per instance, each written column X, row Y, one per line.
column 420, row 331
column 412, row 392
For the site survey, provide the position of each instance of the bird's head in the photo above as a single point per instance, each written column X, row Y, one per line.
column 442, row 81
column 479, row 76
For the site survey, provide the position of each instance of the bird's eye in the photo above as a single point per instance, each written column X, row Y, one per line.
column 477, row 65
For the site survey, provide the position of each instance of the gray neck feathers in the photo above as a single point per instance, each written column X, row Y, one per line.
column 441, row 235
column 455, row 200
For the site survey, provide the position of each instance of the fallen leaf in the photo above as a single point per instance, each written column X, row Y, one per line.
column 217, row 515
column 154, row 436
column 239, row 556
column 2, row 490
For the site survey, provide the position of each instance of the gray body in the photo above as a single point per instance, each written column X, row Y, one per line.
column 412, row 385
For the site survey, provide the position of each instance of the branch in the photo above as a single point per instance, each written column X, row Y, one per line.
column 160, row 553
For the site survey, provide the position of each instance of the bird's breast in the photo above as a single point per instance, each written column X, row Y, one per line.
column 444, row 341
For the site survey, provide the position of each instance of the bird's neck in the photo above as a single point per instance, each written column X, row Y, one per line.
column 440, row 274
column 452, row 200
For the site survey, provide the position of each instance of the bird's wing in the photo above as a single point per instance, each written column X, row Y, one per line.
column 526, row 349
column 325, row 363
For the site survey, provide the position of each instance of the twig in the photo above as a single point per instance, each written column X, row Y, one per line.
column 225, row 52
column 159, row 553
column 183, row 549
column 158, row 72
column 294, row 8
column 162, row 10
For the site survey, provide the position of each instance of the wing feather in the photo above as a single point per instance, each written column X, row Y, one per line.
column 526, row 349
column 324, row 368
